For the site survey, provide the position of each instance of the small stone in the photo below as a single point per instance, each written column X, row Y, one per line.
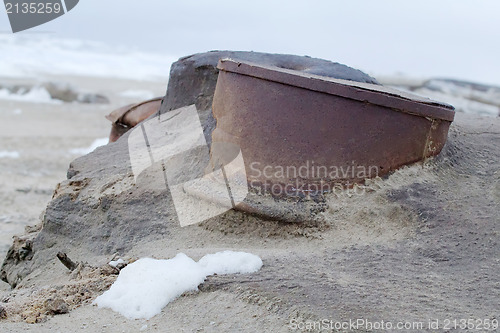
column 56, row 306
column 109, row 270
column 3, row 312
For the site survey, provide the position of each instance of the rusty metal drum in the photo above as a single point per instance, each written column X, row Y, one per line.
column 301, row 133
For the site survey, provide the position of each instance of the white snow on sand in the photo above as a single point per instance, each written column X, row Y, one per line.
column 30, row 56
column 467, row 97
column 9, row 154
column 463, row 104
column 146, row 286
column 91, row 148
column 34, row 95
column 138, row 94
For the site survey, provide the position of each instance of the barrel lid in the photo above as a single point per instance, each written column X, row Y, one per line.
column 364, row 92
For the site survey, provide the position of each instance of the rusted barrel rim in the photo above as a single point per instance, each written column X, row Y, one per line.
column 364, row 92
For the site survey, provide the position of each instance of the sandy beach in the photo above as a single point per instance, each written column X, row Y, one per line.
column 406, row 249
column 44, row 137
column 415, row 246
column 273, row 166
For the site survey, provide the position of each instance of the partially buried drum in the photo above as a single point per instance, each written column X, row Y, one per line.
column 302, row 134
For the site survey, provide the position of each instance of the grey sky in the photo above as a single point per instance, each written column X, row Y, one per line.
column 421, row 38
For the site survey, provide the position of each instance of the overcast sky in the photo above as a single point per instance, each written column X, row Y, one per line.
column 421, row 38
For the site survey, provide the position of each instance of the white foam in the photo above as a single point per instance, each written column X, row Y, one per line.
column 146, row 286
column 87, row 150
column 32, row 55
column 34, row 95
column 229, row 262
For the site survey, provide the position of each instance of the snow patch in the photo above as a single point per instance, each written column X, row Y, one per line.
column 91, row 148
column 146, row 286
column 467, row 97
column 9, row 154
column 138, row 94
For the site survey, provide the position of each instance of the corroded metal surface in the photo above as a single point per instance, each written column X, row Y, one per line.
column 305, row 134
column 126, row 117
column 193, row 78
